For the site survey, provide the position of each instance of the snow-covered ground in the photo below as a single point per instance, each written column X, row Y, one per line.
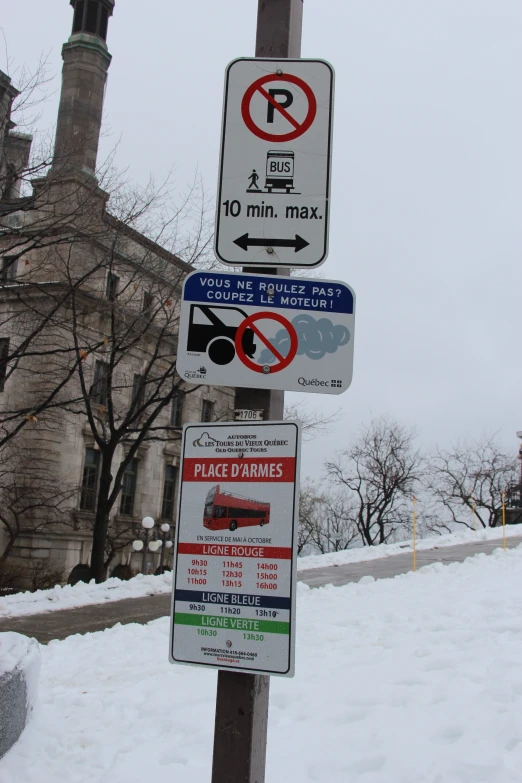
column 82, row 594
column 360, row 554
column 415, row 679
column 115, row 590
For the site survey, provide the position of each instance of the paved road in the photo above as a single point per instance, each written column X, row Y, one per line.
column 59, row 625
column 399, row 564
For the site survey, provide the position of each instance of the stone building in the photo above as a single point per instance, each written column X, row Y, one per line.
column 75, row 279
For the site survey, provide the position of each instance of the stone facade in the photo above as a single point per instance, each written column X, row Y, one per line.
column 73, row 274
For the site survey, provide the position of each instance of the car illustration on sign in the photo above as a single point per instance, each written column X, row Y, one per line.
column 212, row 330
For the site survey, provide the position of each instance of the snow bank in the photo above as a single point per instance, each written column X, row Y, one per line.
column 19, row 672
column 387, row 550
column 415, row 679
column 82, row 594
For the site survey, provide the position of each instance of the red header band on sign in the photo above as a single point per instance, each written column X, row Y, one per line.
column 236, row 550
column 247, row 469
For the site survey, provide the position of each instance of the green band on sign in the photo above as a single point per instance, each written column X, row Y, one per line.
column 231, row 623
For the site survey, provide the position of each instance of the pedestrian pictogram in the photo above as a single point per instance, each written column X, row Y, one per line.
column 273, row 96
column 274, row 178
column 252, row 182
column 264, row 332
column 281, row 361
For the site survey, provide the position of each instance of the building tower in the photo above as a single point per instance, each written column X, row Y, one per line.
column 15, row 147
column 86, row 61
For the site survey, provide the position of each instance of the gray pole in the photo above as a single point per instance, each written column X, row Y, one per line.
column 328, row 523
column 145, row 548
column 242, row 699
column 163, row 539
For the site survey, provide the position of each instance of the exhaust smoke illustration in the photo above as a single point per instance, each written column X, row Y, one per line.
column 316, row 338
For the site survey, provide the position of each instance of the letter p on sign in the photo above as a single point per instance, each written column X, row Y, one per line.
column 288, row 100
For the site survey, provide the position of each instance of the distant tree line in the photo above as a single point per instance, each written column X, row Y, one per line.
column 366, row 497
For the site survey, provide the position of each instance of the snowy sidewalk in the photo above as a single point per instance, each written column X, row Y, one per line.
column 97, row 616
column 415, row 679
column 67, row 597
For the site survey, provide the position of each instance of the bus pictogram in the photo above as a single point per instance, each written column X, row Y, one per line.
column 225, row 509
column 279, row 178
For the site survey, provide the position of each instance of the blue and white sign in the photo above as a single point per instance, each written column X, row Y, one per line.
column 264, row 332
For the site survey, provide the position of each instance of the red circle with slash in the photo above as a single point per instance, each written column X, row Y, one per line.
column 283, row 361
column 300, row 128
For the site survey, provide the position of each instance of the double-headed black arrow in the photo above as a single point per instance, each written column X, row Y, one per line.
column 245, row 242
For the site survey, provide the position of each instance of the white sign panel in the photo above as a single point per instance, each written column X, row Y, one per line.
column 274, row 173
column 233, row 602
column 263, row 332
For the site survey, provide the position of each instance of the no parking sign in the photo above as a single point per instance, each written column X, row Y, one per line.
column 274, row 173
column 258, row 331
column 281, row 83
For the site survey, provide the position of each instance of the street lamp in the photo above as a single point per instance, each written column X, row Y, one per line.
column 164, row 542
column 142, row 544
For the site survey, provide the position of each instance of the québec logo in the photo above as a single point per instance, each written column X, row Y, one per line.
column 199, row 373
column 335, row 384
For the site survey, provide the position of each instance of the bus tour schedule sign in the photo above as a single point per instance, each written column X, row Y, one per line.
column 233, row 603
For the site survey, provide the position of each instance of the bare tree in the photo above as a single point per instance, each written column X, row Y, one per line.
column 338, row 526
column 38, row 215
column 44, row 575
column 430, row 520
column 472, row 476
column 314, row 421
column 310, row 505
column 325, row 522
column 119, row 537
column 125, row 346
column 90, row 302
column 31, row 502
column 378, row 475
column 93, row 328
column 50, row 215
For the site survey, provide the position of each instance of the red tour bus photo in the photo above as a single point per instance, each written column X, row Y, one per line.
column 227, row 510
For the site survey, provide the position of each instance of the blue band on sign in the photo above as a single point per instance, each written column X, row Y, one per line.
column 232, row 599
column 290, row 293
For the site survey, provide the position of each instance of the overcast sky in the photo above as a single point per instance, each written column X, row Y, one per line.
column 427, row 179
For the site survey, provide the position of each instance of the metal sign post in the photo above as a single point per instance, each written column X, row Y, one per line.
column 242, row 699
column 266, row 332
column 274, row 171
